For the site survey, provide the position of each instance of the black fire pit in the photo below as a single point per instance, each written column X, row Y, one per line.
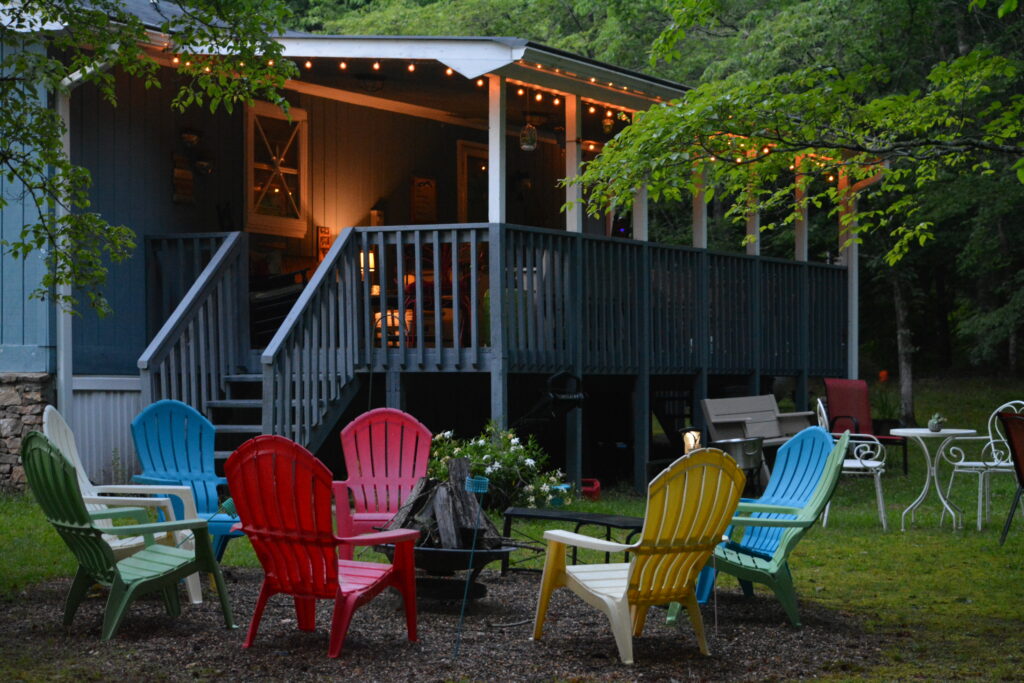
column 443, row 562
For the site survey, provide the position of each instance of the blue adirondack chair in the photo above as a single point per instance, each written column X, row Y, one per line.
column 806, row 471
column 174, row 444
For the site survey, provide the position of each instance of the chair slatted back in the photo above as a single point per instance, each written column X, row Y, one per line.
column 55, row 486
column 849, row 398
column 386, row 452
column 1012, row 423
column 174, row 441
column 689, row 506
column 283, row 497
column 806, row 471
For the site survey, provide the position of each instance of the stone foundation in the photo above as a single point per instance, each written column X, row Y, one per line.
column 23, row 396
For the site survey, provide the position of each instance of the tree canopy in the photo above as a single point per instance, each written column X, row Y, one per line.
column 224, row 50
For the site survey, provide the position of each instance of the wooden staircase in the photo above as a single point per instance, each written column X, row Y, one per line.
column 238, row 417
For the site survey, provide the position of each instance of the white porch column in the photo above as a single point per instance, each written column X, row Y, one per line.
column 64, row 339
column 640, row 227
column 850, row 256
column 700, row 209
column 496, row 157
column 573, row 159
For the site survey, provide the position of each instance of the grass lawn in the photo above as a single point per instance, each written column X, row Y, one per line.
column 947, row 604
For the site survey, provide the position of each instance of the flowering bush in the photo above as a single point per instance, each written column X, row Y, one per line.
column 516, row 470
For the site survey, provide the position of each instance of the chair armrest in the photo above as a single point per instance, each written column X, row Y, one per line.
column 156, row 527
column 730, row 420
column 761, row 521
column 135, row 513
column 175, row 489
column 581, row 541
column 799, row 413
column 745, row 506
column 136, row 501
column 160, row 481
column 381, row 537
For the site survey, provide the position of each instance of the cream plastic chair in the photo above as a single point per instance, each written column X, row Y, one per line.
column 866, row 457
column 60, row 435
column 993, row 458
column 689, row 506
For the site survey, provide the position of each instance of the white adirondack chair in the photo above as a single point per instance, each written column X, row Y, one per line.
column 56, row 429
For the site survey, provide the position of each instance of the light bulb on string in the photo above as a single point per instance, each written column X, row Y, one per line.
column 376, row 66
column 449, row 71
column 411, row 67
column 480, row 82
column 343, row 65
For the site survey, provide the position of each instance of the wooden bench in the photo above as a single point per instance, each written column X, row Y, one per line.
column 744, row 417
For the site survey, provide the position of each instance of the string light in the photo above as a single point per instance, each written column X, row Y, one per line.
column 520, row 92
column 308, row 64
column 591, row 109
column 557, row 101
column 342, row 65
column 270, row 62
column 206, row 69
column 376, row 66
column 480, row 82
column 591, row 146
column 448, row 71
column 608, row 113
column 831, row 177
column 539, row 97
column 411, row 67
column 190, row 64
column 593, row 79
column 175, row 60
column 241, row 64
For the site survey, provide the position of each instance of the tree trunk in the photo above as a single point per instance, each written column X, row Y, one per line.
column 1011, row 348
column 904, row 351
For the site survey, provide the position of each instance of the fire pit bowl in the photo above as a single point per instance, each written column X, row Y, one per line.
column 447, row 561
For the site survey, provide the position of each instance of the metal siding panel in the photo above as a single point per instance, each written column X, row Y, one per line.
column 101, row 422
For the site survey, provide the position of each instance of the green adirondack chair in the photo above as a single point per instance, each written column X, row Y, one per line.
column 156, row 568
column 806, row 472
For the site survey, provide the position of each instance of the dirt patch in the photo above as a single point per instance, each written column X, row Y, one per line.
column 753, row 640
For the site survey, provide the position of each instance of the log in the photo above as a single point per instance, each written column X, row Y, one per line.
column 444, row 515
column 413, row 502
column 467, row 509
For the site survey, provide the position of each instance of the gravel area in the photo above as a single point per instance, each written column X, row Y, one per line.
column 753, row 640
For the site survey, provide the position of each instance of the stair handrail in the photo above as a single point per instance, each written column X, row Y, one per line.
column 206, row 337
column 312, row 358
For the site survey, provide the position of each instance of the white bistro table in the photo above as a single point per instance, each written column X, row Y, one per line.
column 919, row 434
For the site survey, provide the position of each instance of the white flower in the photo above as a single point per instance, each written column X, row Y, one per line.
column 529, row 488
column 487, row 456
column 457, row 449
column 479, row 442
column 514, row 440
column 490, row 469
column 545, row 488
column 516, row 447
column 529, row 462
column 449, row 434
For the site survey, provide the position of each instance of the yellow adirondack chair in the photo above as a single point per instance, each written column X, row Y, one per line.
column 689, row 506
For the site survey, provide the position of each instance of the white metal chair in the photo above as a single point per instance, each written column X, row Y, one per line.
column 993, row 458
column 56, row 429
column 865, row 457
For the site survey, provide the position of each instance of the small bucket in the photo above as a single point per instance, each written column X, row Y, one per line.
column 478, row 484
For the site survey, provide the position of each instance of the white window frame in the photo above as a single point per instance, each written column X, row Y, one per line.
column 277, row 225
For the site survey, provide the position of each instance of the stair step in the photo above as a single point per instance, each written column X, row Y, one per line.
column 222, row 455
column 243, row 378
column 239, row 429
column 236, row 403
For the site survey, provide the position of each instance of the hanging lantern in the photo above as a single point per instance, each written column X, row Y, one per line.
column 608, row 125
column 528, row 138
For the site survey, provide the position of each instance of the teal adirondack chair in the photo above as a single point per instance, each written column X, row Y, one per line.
column 174, row 445
column 155, row 569
column 806, row 471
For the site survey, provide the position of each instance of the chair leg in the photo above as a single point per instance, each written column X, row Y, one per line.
column 194, row 588
column 553, row 577
column 171, row 602
column 79, row 588
column 949, row 489
column 344, row 607
column 220, row 544
column 748, row 588
column 1006, row 526
column 639, row 619
column 981, row 499
column 881, row 501
column 621, row 622
column 305, row 613
column 697, row 621
column 117, row 604
column 257, row 614
column 824, row 515
column 407, row 587
column 786, row 594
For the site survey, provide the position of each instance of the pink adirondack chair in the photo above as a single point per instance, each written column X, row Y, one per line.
column 283, row 496
column 386, row 453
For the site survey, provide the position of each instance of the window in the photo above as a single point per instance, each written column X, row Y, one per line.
column 277, row 158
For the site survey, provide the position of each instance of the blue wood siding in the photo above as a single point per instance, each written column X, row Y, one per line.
column 129, row 149
column 26, row 326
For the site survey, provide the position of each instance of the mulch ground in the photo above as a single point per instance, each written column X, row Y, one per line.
column 753, row 640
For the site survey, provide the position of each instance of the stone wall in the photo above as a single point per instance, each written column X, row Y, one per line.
column 23, row 396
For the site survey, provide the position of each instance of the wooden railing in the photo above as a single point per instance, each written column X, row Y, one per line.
column 173, row 263
column 206, row 337
column 311, row 361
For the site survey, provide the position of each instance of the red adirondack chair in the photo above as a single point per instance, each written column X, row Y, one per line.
column 849, row 408
column 386, row 453
column 283, row 496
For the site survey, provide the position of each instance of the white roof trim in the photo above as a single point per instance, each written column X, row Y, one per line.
column 470, row 57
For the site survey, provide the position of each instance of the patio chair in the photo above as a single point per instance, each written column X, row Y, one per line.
column 993, row 458
column 689, row 505
column 174, row 445
column 806, row 471
column 386, row 453
column 283, row 496
column 849, row 409
column 1013, row 428
column 866, row 457
column 61, row 436
column 156, row 568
